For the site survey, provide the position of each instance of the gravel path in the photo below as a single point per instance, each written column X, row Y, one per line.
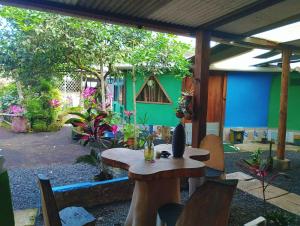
column 25, row 191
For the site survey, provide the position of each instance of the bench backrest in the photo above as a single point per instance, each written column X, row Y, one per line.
column 209, row 205
column 49, row 207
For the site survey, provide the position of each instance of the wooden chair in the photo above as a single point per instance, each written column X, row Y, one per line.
column 215, row 166
column 70, row 216
column 208, row 206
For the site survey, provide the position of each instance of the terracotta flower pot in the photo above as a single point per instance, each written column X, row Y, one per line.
column 19, row 124
column 188, row 116
column 130, row 142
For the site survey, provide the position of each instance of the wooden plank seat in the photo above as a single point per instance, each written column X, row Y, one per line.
column 208, row 206
column 213, row 173
column 70, row 216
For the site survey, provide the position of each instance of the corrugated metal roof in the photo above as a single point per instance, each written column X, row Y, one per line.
column 239, row 17
column 263, row 18
column 195, row 13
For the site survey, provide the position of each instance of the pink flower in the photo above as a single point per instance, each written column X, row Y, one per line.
column 114, row 129
column 89, row 91
column 109, row 95
column 261, row 173
column 128, row 113
column 16, row 109
column 55, row 103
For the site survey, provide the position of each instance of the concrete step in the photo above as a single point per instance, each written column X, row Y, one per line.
column 25, row 217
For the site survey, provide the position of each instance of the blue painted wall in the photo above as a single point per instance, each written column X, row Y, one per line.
column 247, row 101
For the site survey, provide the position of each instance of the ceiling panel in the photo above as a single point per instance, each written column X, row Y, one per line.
column 262, row 18
column 194, row 12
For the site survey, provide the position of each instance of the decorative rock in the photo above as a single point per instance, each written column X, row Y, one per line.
column 178, row 142
column 19, row 124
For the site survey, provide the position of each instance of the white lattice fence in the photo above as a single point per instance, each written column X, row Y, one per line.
column 71, row 88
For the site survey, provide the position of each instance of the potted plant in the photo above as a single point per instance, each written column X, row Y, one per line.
column 179, row 113
column 185, row 107
column 19, row 122
column 129, row 132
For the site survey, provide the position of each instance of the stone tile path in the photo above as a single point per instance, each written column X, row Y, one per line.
column 274, row 195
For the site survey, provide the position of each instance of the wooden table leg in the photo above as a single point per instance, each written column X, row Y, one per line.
column 148, row 196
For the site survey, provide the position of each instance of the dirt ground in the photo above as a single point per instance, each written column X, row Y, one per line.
column 32, row 150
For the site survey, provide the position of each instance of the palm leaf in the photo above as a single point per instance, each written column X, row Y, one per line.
column 81, row 115
column 88, row 159
column 73, row 121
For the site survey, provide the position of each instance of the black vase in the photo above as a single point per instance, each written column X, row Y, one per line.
column 178, row 141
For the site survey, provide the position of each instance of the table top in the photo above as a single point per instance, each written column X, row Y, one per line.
column 139, row 169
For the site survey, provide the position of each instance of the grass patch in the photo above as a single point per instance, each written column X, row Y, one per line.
column 5, row 125
column 230, row 148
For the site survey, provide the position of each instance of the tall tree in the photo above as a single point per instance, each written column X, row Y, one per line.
column 36, row 44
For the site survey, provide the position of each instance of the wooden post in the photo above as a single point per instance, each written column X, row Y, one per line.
column 201, row 72
column 286, row 54
column 134, row 103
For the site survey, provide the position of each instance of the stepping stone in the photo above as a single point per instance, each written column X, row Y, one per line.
column 25, row 217
column 238, row 176
column 249, row 185
column 260, row 221
column 254, row 187
column 289, row 202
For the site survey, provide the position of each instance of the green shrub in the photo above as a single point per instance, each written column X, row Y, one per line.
column 38, row 107
column 39, row 126
column 8, row 96
column 56, row 126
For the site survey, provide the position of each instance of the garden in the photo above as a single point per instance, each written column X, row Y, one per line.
column 38, row 51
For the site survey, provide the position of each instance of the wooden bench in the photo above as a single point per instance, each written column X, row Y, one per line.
column 70, row 216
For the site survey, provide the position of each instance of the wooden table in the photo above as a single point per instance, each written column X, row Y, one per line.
column 156, row 183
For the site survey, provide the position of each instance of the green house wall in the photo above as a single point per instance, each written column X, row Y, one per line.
column 293, row 118
column 157, row 114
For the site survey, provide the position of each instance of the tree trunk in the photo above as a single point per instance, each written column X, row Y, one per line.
column 103, row 100
column 20, row 92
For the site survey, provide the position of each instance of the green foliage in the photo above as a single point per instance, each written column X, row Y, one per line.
column 256, row 157
column 37, row 44
column 279, row 218
column 55, row 126
column 39, row 126
column 160, row 53
column 8, row 96
column 88, row 159
column 129, row 130
column 38, row 108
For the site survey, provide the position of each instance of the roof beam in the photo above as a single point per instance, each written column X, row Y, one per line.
column 250, row 42
column 78, row 11
column 293, row 59
column 268, row 54
column 239, row 13
column 222, row 51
